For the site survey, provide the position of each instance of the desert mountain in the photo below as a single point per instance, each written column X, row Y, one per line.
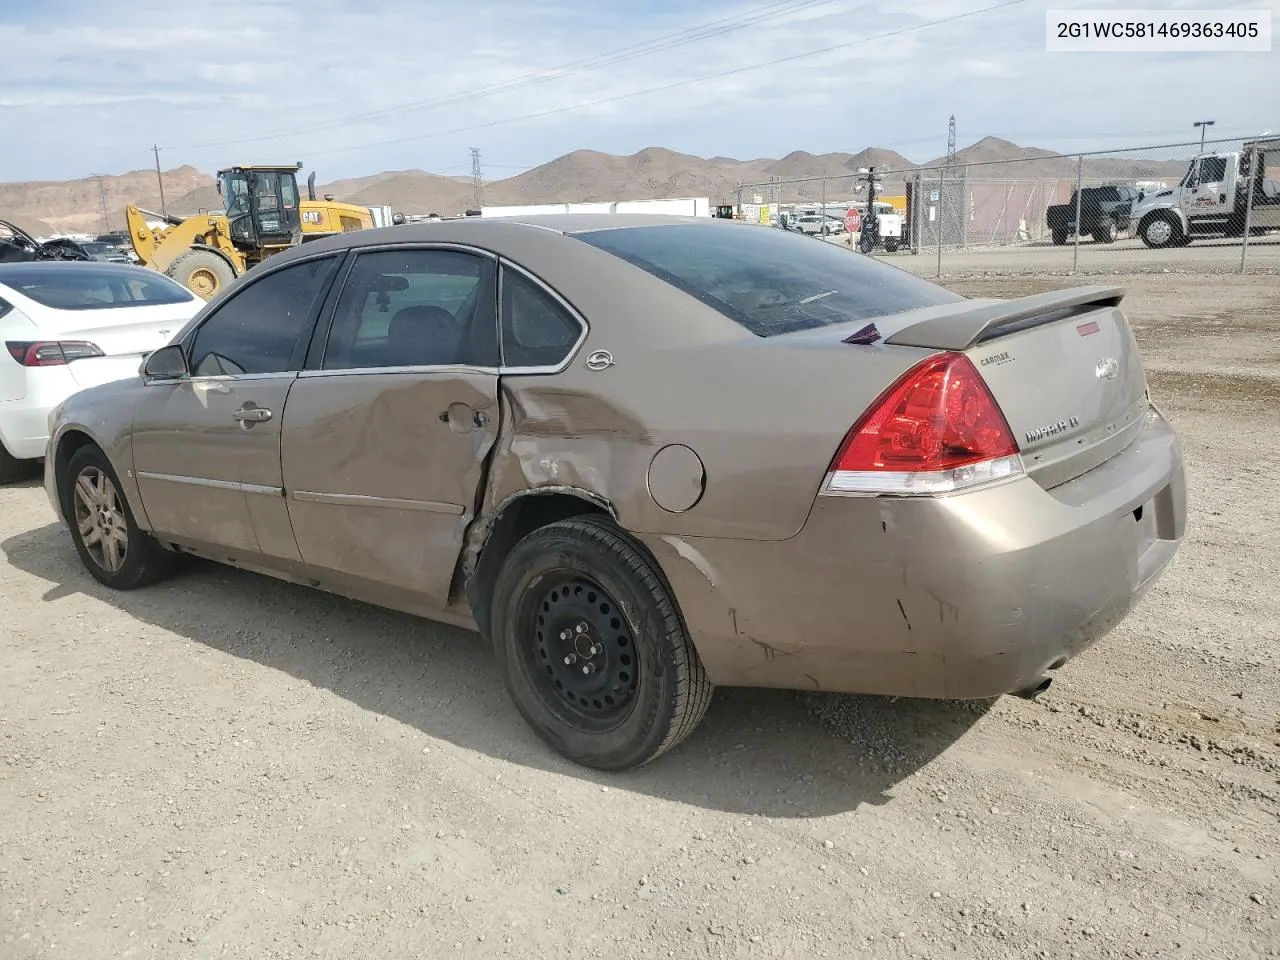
column 583, row 175
column 71, row 205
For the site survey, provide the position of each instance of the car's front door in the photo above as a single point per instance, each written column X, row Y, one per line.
column 206, row 448
column 386, row 435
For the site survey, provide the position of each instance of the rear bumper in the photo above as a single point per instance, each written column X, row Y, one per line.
column 24, row 423
column 969, row 596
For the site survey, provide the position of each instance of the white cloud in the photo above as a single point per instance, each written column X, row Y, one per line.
column 89, row 87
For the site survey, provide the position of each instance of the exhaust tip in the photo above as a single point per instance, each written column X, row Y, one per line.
column 1037, row 688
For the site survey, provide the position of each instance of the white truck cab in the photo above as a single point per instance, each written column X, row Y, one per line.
column 1213, row 197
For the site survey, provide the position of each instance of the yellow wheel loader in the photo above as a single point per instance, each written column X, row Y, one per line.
column 262, row 215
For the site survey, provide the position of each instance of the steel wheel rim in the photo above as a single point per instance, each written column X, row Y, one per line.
column 203, row 282
column 579, row 652
column 1159, row 231
column 100, row 519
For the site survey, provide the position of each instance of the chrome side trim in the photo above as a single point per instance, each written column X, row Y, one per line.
column 389, row 503
column 258, row 488
column 365, row 371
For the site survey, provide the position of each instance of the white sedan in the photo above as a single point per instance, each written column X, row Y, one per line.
column 68, row 325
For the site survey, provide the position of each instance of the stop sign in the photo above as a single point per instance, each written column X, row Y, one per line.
column 853, row 220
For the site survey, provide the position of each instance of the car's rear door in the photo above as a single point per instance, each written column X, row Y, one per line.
column 386, row 434
column 206, row 449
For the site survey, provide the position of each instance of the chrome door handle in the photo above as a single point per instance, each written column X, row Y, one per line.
column 252, row 414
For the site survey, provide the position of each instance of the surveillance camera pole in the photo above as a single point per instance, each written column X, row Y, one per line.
column 1202, row 124
column 870, row 223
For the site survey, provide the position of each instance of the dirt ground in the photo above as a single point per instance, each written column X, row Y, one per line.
column 226, row 766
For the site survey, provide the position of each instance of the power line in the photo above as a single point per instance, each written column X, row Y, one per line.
column 805, row 55
column 714, row 28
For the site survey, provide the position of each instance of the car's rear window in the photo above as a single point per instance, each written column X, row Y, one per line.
column 768, row 280
column 66, row 286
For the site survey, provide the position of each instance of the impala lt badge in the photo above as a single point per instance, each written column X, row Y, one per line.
column 1049, row 430
column 1106, row 369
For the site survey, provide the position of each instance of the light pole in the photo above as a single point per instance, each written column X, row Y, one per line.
column 1202, row 124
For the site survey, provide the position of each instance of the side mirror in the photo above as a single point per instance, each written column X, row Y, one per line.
column 167, row 363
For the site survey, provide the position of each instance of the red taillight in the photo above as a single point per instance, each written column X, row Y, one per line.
column 51, row 353
column 938, row 429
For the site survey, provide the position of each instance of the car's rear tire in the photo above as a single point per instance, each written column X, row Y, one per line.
column 592, row 647
column 1106, row 232
column 11, row 468
column 891, row 244
column 1059, row 237
column 111, row 546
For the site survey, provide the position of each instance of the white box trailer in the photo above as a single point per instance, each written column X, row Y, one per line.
column 681, row 207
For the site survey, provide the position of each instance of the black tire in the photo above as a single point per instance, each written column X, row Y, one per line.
column 1059, row 237
column 826, row 230
column 647, row 689
column 144, row 561
column 11, row 468
column 202, row 272
column 1105, row 232
column 891, row 245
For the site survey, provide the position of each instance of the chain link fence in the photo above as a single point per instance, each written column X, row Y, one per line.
column 1211, row 207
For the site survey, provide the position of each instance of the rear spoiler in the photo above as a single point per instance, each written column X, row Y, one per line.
column 966, row 327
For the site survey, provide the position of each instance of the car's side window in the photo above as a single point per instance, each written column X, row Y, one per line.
column 536, row 330
column 414, row 308
column 257, row 329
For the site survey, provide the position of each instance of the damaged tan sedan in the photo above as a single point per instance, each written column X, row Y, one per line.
column 645, row 456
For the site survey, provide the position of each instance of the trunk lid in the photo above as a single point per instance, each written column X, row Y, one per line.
column 1063, row 366
column 119, row 330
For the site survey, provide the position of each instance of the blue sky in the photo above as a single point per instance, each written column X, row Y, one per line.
column 90, row 86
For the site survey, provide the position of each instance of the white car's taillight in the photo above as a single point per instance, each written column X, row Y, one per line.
column 51, row 353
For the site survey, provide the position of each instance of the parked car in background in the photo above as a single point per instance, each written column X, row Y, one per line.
column 1104, row 214
column 104, row 252
column 18, row 246
column 645, row 455
column 816, row 223
column 54, row 317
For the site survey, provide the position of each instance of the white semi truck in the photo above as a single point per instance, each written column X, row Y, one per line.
column 1215, row 197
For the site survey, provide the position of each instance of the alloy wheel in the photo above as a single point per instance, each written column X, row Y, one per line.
column 100, row 519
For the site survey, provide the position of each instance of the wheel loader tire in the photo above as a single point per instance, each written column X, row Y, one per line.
column 202, row 272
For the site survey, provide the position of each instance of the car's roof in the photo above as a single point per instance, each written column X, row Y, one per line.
column 495, row 233
column 66, row 266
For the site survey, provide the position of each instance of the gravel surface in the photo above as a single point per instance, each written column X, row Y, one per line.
column 227, row 766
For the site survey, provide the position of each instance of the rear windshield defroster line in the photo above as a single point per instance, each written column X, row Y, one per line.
column 767, row 280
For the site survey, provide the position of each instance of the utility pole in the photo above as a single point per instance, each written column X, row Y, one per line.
column 1202, row 124
column 102, row 198
column 159, row 179
column 951, row 143
column 477, row 180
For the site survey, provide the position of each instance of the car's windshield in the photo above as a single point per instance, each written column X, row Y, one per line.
column 769, row 281
column 77, row 287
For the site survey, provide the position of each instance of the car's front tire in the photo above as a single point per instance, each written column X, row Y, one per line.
column 592, row 647
column 111, row 546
